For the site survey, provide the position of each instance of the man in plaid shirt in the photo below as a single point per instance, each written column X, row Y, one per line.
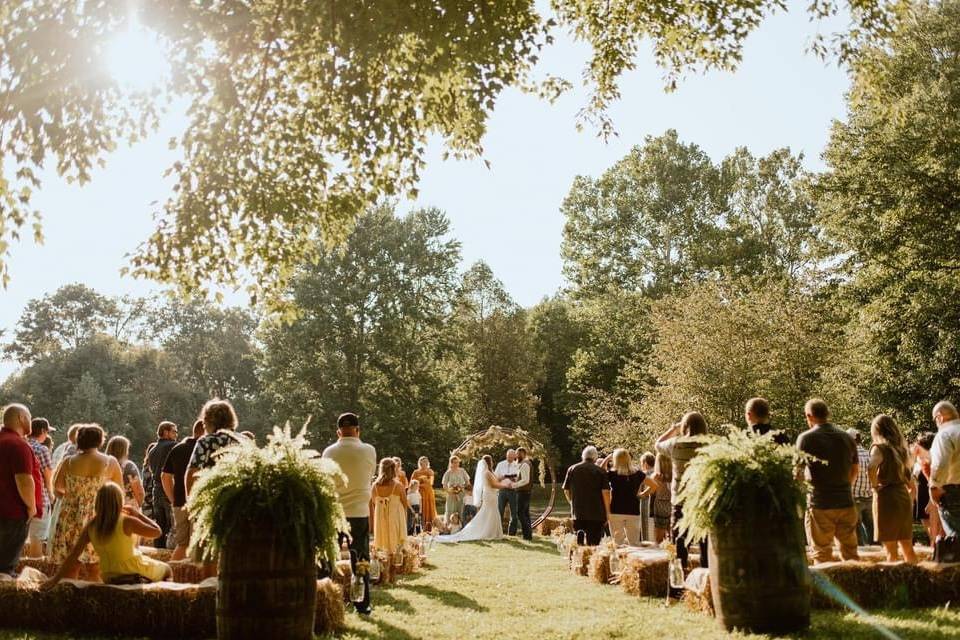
column 863, row 492
column 39, row 432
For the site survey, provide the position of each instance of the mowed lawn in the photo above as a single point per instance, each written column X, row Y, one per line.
column 511, row 590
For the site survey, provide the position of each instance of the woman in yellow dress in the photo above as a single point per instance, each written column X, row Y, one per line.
column 112, row 532
column 428, row 499
column 389, row 509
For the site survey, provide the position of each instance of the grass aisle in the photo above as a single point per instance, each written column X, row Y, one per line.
column 513, row 590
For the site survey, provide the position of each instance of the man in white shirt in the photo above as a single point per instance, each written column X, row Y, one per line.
column 945, row 466
column 524, row 489
column 509, row 469
column 358, row 461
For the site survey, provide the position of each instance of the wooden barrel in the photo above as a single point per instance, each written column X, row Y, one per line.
column 759, row 575
column 265, row 591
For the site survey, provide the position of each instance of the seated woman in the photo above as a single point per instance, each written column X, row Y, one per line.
column 111, row 532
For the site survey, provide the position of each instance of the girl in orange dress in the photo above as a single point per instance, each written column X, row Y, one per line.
column 428, row 500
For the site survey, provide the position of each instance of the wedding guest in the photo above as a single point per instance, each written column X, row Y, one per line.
column 945, row 467
column 119, row 448
column 66, row 448
column 148, row 481
column 647, row 462
column 219, row 430
column 757, row 414
column 414, row 500
column 358, row 462
column 508, row 469
column 401, row 474
column 677, row 443
column 863, row 492
column 524, row 488
column 162, row 509
column 662, row 501
column 389, row 502
column 173, row 480
column 627, row 484
column 77, row 481
column 20, row 485
column 831, row 512
column 892, row 482
column 113, row 532
column 587, row 489
column 428, row 499
column 454, row 481
column 39, row 526
column 469, row 509
column 453, row 524
column 926, row 511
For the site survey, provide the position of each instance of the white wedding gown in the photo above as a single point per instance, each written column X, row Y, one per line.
column 486, row 525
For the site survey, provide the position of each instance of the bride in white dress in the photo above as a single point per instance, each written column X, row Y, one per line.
column 486, row 525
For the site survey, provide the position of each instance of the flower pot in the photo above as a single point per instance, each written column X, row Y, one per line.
column 264, row 590
column 758, row 573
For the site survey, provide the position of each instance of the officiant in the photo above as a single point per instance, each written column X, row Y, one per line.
column 509, row 469
column 454, row 483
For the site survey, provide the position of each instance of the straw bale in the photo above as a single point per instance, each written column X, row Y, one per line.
column 342, row 574
column 163, row 555
column 580, row 559
column 886, row 584
column 44, row 565
column 330, row 609
column 697, row 594
column 644, row 572
column 549, row 525
column 598, row 568
column 186, row 572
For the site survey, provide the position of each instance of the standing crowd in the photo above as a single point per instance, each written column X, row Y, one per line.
column 857, row 496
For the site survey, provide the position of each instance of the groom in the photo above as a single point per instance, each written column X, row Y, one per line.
column 524, row 487
column 509, row 469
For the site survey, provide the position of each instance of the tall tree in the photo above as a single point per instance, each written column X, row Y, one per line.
column 304, row 114
column 370, row 335
column 891, row 201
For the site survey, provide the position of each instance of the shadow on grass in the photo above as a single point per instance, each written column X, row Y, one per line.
column 448, row 598
column 383, row 630
column 928, row 624
column 541, row 545
column 384, row 598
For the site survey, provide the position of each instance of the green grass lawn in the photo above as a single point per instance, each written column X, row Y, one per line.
column 515, row 590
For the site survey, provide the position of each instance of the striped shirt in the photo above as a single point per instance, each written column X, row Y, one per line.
column 861, row 484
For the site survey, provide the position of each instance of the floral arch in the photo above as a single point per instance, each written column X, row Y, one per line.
column 498, row 437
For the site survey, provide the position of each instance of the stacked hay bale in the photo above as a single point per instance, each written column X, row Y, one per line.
column 598, row 568
column 644, row 572
column 697, row 594
column 161, row 610
column 580, row 559
column 549, row 525
column 885, row 584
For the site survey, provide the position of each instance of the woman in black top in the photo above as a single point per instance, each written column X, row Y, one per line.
column 627, row 486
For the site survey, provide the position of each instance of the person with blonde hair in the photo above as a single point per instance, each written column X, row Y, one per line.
column 113, row 531
column 428, row 498
column 119, row 448
column 663, row 474
column 454, row 482
column 627, row 486
column 892, row 479
column 389, row 505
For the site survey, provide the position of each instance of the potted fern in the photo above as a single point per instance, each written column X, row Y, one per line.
column 742, row 492
column 267, row 515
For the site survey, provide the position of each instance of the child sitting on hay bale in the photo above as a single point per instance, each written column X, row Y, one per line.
column 111, row 532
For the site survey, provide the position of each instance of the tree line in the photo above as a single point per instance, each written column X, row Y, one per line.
column 693, row 284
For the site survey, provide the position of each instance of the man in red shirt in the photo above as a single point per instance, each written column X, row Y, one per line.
column 19, row 485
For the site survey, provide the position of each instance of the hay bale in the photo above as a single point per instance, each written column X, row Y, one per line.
column 580, row 559
column 162, row 555
column 186, row 572
column 598, row 568
column 342, row 575
column 43, row 565
column 885, row 584
column 697, row 594
column 549, row 525
column 330, row 609
column 644, row 572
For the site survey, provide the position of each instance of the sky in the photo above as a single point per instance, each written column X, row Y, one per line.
column 507, row 215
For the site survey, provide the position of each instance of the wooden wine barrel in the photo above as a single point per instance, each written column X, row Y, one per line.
column 264, row 591
column 759, row 575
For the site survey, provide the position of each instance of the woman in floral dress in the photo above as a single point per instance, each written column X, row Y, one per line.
column 77, row 482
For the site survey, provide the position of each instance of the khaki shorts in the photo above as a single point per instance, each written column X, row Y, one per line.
column 181, row 527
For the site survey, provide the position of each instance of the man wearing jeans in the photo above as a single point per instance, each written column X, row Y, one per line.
column 358, row 461
column 945, row 467
column 509, row 469
column 863, row 492
column 831, row 513
column 18, row 486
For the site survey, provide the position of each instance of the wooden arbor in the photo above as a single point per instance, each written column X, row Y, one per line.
column 500, row 437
